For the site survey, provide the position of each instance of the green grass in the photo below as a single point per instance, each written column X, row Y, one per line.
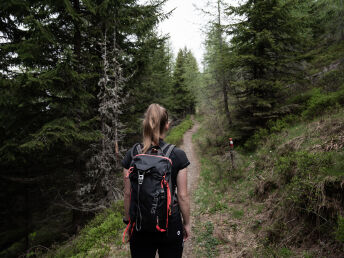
column 212, row 185
column 271, row 251
column 237, row 214
column 206, row 242
column 339, row 232
column 96, row 238
column 175, row 136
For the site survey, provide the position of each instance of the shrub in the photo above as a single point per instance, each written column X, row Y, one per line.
column 321, row 102
column 340, row 229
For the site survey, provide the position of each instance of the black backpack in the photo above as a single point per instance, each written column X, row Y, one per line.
column 152, row 194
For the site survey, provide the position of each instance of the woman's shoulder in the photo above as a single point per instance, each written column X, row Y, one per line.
column 179, row 158
column 178, row 151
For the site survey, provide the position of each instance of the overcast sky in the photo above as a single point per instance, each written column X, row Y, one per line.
column 186, row 23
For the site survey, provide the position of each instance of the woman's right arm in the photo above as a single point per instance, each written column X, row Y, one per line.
column 183, row 200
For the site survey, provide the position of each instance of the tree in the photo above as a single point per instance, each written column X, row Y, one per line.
column 55, row 107
column 265, row 42
column 183, row 101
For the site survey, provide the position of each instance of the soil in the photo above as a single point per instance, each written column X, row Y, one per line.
column 193, row 175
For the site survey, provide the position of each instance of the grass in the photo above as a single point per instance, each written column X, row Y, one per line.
column 97, row 237
column 205, row 239
column 176, row 134
column 288, row 190
column 208, row 195
column 237, row 214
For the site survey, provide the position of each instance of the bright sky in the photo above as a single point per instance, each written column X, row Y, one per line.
column 184, row 26
column 186, row 22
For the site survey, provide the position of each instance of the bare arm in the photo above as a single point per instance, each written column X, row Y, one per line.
column 126, row 194
column 183, row 200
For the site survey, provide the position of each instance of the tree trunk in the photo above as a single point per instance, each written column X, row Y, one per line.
column 77, row 34
column 27, row 214
column 221, row 77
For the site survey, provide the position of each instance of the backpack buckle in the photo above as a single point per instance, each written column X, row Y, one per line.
column 141, row 177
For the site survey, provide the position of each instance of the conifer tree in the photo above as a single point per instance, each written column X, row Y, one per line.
column 183, row 101
column 265, row 43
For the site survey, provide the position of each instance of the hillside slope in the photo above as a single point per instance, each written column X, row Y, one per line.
column 284, row 200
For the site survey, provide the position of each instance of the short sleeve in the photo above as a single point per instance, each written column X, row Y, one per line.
column 127, row 160
column 183, row 160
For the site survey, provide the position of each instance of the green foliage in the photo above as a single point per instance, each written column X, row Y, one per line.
column 51, row 64
column 210, row 193
column 321, row 102
column 272, row 251
column 184, row 76
column 271, row 27
column 206, row 240
column 96, row 237
column 340, row 229
column 237, row 214
column 328, row 23
column 175, row 136
column 273, row 126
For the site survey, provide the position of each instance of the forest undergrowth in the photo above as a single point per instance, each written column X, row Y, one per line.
column 283, row 200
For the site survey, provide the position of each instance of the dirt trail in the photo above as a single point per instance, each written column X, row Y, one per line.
column 193, row 175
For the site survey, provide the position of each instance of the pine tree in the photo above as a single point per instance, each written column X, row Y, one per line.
column 265, row 43
column 182, row 99
column 328, row 22
column 192, row 77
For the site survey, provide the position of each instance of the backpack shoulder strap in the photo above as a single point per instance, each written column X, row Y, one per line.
column 137, row 146
column 163, row 148
column 169, row 151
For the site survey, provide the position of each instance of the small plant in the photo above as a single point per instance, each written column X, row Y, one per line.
column 237, row 214
column 340, row 229
column 206, row 239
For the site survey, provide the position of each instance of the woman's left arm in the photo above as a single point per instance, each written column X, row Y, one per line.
column 126, row 194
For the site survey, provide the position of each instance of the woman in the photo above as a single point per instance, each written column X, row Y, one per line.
column 145, row 244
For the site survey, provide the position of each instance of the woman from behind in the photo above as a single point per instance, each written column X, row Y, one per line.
column 168, row 243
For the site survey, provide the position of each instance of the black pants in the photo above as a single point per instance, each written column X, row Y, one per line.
column 169, row 245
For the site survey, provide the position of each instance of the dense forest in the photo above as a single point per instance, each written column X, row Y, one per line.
column 77, row 76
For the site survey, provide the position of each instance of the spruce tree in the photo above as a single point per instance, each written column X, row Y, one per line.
column 265, row 43
column 183, row 101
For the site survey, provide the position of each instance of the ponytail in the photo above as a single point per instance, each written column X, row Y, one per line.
column 156, row 118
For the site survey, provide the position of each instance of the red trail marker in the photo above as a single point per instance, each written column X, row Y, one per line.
column 231, row 144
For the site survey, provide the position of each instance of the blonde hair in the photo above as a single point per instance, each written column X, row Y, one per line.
column 154, row 123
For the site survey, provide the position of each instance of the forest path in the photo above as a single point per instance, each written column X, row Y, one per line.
column 193, row 175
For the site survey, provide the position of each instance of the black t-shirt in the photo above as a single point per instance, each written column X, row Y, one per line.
column 178, row 157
